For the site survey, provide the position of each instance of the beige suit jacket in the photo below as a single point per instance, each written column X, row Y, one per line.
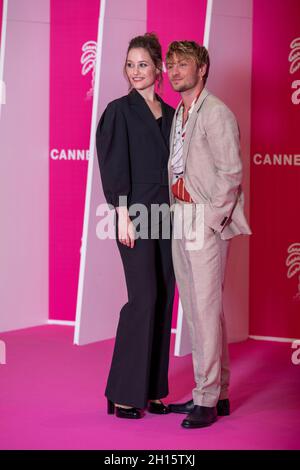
column 212, row 165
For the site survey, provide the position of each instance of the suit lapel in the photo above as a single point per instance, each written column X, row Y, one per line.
column 142, row 109
column 171, row 143
column 189, row 132
column 191, row 123
column 173, row 127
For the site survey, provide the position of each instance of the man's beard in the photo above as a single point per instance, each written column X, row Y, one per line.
column 185, row 87
column 182, row 88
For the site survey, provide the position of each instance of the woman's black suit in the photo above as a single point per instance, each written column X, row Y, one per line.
column 133, row 152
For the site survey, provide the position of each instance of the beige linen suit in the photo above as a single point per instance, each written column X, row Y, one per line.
column 212, row 175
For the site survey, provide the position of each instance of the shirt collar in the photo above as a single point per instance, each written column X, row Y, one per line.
column 191, row 106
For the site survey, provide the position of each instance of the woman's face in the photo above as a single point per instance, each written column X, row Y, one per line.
column 140, row 69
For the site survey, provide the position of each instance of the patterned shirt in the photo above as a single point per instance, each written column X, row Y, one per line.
column 178, row 187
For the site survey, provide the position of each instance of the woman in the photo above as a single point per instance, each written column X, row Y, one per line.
column 133, row 149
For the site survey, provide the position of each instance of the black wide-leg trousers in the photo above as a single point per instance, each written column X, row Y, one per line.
column 139, row 368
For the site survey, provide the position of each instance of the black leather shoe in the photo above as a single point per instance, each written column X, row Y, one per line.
column 158, row 408
column 129, row 413
column 223, row 407
column 200, row 417
column 183, row 408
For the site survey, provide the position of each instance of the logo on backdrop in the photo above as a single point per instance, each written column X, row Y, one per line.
column 294, row 59
column 69, row 154
column 88, row 61
column 293, row 265
column 276, row 159
column 296, row 354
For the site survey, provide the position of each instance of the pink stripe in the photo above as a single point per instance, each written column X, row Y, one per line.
column 275, row 206
column 72, row 25
column 174, row 21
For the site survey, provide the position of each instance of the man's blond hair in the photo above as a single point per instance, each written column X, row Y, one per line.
column 192, row 50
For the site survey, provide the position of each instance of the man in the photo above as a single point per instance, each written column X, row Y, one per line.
column 205, row 172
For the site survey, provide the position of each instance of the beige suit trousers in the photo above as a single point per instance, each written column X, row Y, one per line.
column 200, row 278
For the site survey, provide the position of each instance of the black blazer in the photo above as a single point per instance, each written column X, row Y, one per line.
column 133, row 151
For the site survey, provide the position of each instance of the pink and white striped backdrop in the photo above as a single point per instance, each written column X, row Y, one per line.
column 73, row 24
column 275, row 117
column 73, row 34
column 275, row 170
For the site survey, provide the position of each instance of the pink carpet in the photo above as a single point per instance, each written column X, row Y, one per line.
column 51, row 397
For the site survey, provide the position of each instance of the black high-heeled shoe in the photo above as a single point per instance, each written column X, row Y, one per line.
column 158, row 408
column 110, row 407
column 129, row 413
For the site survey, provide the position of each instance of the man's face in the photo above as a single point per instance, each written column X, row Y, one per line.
column 183, row 73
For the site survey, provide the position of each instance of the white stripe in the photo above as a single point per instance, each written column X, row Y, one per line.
column 60, row 322
column 178, row 329
column 209, row 6
column 274, row 338
column 90, row 171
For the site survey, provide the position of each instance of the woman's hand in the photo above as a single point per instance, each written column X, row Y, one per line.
column 126, row 229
